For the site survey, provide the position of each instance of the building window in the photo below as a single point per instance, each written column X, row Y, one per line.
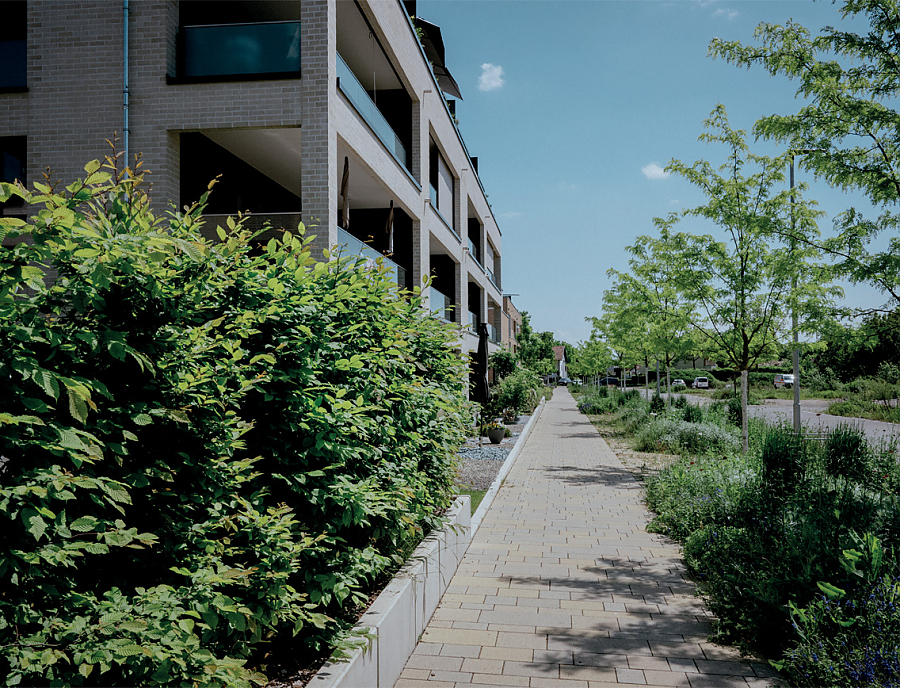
column 442, row 185
column 13, row 29
column 12, row 169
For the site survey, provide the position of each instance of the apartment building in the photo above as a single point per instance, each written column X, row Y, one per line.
column 339, row 113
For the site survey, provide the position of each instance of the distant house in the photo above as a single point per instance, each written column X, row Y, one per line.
column 559, row 354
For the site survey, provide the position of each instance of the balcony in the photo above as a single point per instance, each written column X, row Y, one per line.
column 349, row 245
column 473, row 321
column 493, row 334
column 217, row 51
column 441, row 305
column 12, row 57
column 473, row 251
column 493, row 278
column 368, row 110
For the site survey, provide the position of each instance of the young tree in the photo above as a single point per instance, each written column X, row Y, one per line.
column 535, row 348
column 745, row 286
column 848, row 131
column 624, row 326
column 668, row 310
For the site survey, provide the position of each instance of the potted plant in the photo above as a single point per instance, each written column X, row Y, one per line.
column 495, row 432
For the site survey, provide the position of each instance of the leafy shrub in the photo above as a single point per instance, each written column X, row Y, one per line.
column 692, row 413
column 504, row 363
column 847, row 453
column 657, row 404
column 679, row 402
column 850, row 637
column 212, row 451
column 784, row 458
column 679, row 388
column 889, row 372
column 680, row 437
column 821, row 380
column 635, row 417
column 521, row 391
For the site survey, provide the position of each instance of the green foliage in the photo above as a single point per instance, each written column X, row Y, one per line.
column 769, row 533
column 212, row 452
column 657, row 404
column 504, row 363
column 520, row 392
column 847, row 126
column 683, row 437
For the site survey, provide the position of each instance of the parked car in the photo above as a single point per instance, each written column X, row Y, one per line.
column 786, row 381
column 609, row 381
column 564, row 382
column 678, row 382
column 701, row 383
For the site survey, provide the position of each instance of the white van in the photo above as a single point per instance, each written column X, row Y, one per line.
column 701, row 383
column 786, row 381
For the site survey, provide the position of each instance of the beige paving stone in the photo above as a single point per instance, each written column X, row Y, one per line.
column 587, row 673
column 420, row 674
column 459, row 636
column 524, row 640
column 511, row 628
column 540, row 682
column 433, row 663
column 666, row 678
column 564, row 588
column 513, row 654
column 635, row 676
column 451, row 650
column 495, row 680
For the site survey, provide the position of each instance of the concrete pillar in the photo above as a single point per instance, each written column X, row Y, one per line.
column 321, row 168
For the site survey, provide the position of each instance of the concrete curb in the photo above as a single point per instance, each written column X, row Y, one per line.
column 402, row 610
column 488, row 498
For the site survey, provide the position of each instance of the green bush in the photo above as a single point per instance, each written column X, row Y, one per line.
column 680, row 437
column 692, row 414
column 213, row 451
column 521, row 391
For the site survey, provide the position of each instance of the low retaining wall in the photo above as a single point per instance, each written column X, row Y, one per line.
column 402, row 610
column 400, row 613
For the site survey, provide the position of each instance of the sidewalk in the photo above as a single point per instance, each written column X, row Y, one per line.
column 563, row 587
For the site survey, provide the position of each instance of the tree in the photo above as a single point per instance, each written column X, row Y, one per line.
column 535, row 348
column 668, row 311
column 592, row 357
column 504, row 363
column 745, row 286
column 624, row 325
column 849, row 131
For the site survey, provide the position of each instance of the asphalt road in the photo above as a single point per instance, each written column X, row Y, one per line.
column 812, row 416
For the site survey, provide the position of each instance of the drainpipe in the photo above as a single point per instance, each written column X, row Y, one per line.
column 125, row 81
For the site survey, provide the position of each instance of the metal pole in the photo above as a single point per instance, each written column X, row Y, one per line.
column 125, row 85
column 794, row 323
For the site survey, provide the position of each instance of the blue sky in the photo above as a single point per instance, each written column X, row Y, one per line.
column 571, row 105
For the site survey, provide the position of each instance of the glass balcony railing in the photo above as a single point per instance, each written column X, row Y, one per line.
column 433, row 195
column 492, row 277
column 351, row 246
column 473, row 321
column 217, row 50
column 493, row 334
column 473, row 250
column 441, row 305
column 13, row 61
column 366, row 107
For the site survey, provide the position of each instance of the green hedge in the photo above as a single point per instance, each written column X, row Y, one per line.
column 210, row 452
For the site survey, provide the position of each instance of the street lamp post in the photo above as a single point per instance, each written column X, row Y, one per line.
column 794, row 319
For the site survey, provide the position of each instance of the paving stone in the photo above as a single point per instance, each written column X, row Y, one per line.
column 562, row 586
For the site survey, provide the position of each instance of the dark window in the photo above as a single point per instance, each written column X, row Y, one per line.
column 13, row 28
column 12, row 168
column 241, row 186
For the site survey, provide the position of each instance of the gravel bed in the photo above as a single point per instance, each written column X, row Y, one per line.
column 480, row 465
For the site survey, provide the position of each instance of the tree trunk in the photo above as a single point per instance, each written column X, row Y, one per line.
column 745, row 428
column 668, row 385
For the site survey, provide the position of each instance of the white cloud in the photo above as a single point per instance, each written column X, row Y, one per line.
column 654, row 171
column 491, row 77
column 510, row 215
column 728, row 14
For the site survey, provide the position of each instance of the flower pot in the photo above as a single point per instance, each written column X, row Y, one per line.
column 496, row 436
